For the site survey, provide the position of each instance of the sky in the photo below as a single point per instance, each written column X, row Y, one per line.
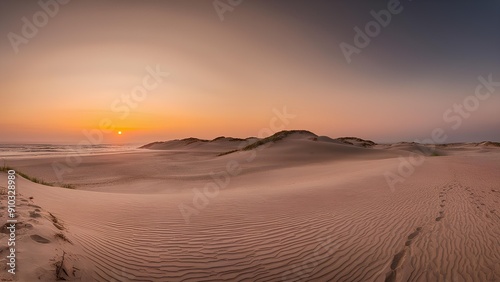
column 160, row 70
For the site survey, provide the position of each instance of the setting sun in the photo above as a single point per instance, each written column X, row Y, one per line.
column 119, row 133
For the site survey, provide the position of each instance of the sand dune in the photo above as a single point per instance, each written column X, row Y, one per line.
column 299, row 209
column 217, row 144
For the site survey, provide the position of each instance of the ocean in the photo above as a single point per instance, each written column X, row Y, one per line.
column 30, row 150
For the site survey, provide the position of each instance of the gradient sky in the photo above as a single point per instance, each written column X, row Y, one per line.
column 226, row 77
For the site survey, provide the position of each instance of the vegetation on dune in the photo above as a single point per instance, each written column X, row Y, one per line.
column 191, row 140
column 364, row 143
column 63, row 237
column 147, row 146
column 227, row 138
column 271, row 139
column 490, row 143
column 227, row 153
column 275, row 138
column 6, row 168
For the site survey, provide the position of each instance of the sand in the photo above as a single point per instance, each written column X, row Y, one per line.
column 298, row 209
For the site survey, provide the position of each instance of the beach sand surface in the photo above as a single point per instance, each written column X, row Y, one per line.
column 297, row 210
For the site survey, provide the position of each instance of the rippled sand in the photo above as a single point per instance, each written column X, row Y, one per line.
column 299, row 210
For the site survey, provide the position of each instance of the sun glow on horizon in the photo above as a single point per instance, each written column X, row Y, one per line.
column 235, row 80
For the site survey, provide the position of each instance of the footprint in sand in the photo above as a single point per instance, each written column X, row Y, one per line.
column 412, row 236
column 396, row 261
column 40, row 239
column 34, row 214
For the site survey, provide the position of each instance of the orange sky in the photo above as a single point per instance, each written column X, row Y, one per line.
column 225, row 78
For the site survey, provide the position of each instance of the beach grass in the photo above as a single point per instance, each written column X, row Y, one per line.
column 6, row 168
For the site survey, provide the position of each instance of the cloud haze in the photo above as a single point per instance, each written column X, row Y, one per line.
column 227, row 76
